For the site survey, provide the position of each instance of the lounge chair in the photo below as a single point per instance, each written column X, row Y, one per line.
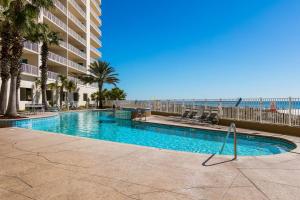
column 212, row 118
column 203, row 117
column 185, row 114
column 192, row 114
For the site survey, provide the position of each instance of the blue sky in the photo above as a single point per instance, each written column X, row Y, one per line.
column 166, row 49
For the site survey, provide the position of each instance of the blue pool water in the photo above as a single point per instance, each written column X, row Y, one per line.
column 103, row 126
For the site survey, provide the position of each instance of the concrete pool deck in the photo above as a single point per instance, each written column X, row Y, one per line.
column 40, row 165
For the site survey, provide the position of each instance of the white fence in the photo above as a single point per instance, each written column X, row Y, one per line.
column 281, row 111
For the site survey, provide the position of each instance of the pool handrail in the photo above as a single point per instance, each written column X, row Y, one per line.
column 232, row 126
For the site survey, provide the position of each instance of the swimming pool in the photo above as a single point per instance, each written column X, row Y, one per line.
column 103, row 126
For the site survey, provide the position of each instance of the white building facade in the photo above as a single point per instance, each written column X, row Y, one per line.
column 77, row 22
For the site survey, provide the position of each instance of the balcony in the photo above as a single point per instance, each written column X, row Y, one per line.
column 75, row 80
column 63, row 44
column 95, row 51
column 78, row 8
column 31, row 46
column 60, row 6
column 76, row 51
column 55, row 20
column 92, row 60
column 77, row 36
column 95, row 16
column 52, row 75
column 58, row 59
column 97, row 6
column 77, row 21
column 93, row 37
column 96, row 28
column 29, row 69
column 77, row 66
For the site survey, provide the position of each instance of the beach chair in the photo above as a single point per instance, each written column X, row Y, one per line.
column 213, row 118
column 203, row 117
column 192, row 114
column 185, row 114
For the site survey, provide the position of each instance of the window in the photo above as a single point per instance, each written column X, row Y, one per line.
column 49, row 95
column 75, row 96
column 85, row 96
column 25, row 94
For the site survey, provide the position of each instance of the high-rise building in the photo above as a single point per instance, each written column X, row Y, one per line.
column 77, row 22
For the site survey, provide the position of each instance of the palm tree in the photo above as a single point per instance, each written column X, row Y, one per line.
column 101, row 73
column 55, row 86
column 5, row 56
column 63, row 81
column 43, row 34
column 70, row 87
column 22, row 16
column 37, row 84
column 117, row 94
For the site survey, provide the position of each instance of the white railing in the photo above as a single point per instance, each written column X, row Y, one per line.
column 77, row 21
column 281, row 111
column 95, row 16
column 63, row 44
column 97, row 5
column 96, row 39
column 92, row 60
column 60, row 6
column 96, row 28
column 55, row 20
column 77, row 51
column 57, row 58
column 96, row 51
column 76, row 80
column 31, row 46
column 76, row 66
column 52, row 75
column 77, row 36
column 77, row 7
column 29, row 69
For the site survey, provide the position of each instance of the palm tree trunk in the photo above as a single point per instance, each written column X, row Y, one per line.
column 67, row 100
column 17, row 50
column 44, row 70
column 5, row 43
column 100, row 95
column 3, row 96
column 12, row 103
column 61, row 97
column 18, row 84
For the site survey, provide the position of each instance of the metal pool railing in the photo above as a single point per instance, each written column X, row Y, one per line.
column 281, row 111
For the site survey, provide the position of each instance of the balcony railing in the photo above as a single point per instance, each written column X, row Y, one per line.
column 76, row 51
column 96, row 51
column 97, row 5
column 31, row 46
column 95, row 39
column 96, row 28
column 55, row 20
column 76, row 66
column 77, row 36
column 52, row 75
column 63, row 44
column 60, row 6
column 95, row 15
column 77, row 21
column 78, row 8
column 76, row 80
column 92, row 60
column 29, row 69
column 56, row 58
